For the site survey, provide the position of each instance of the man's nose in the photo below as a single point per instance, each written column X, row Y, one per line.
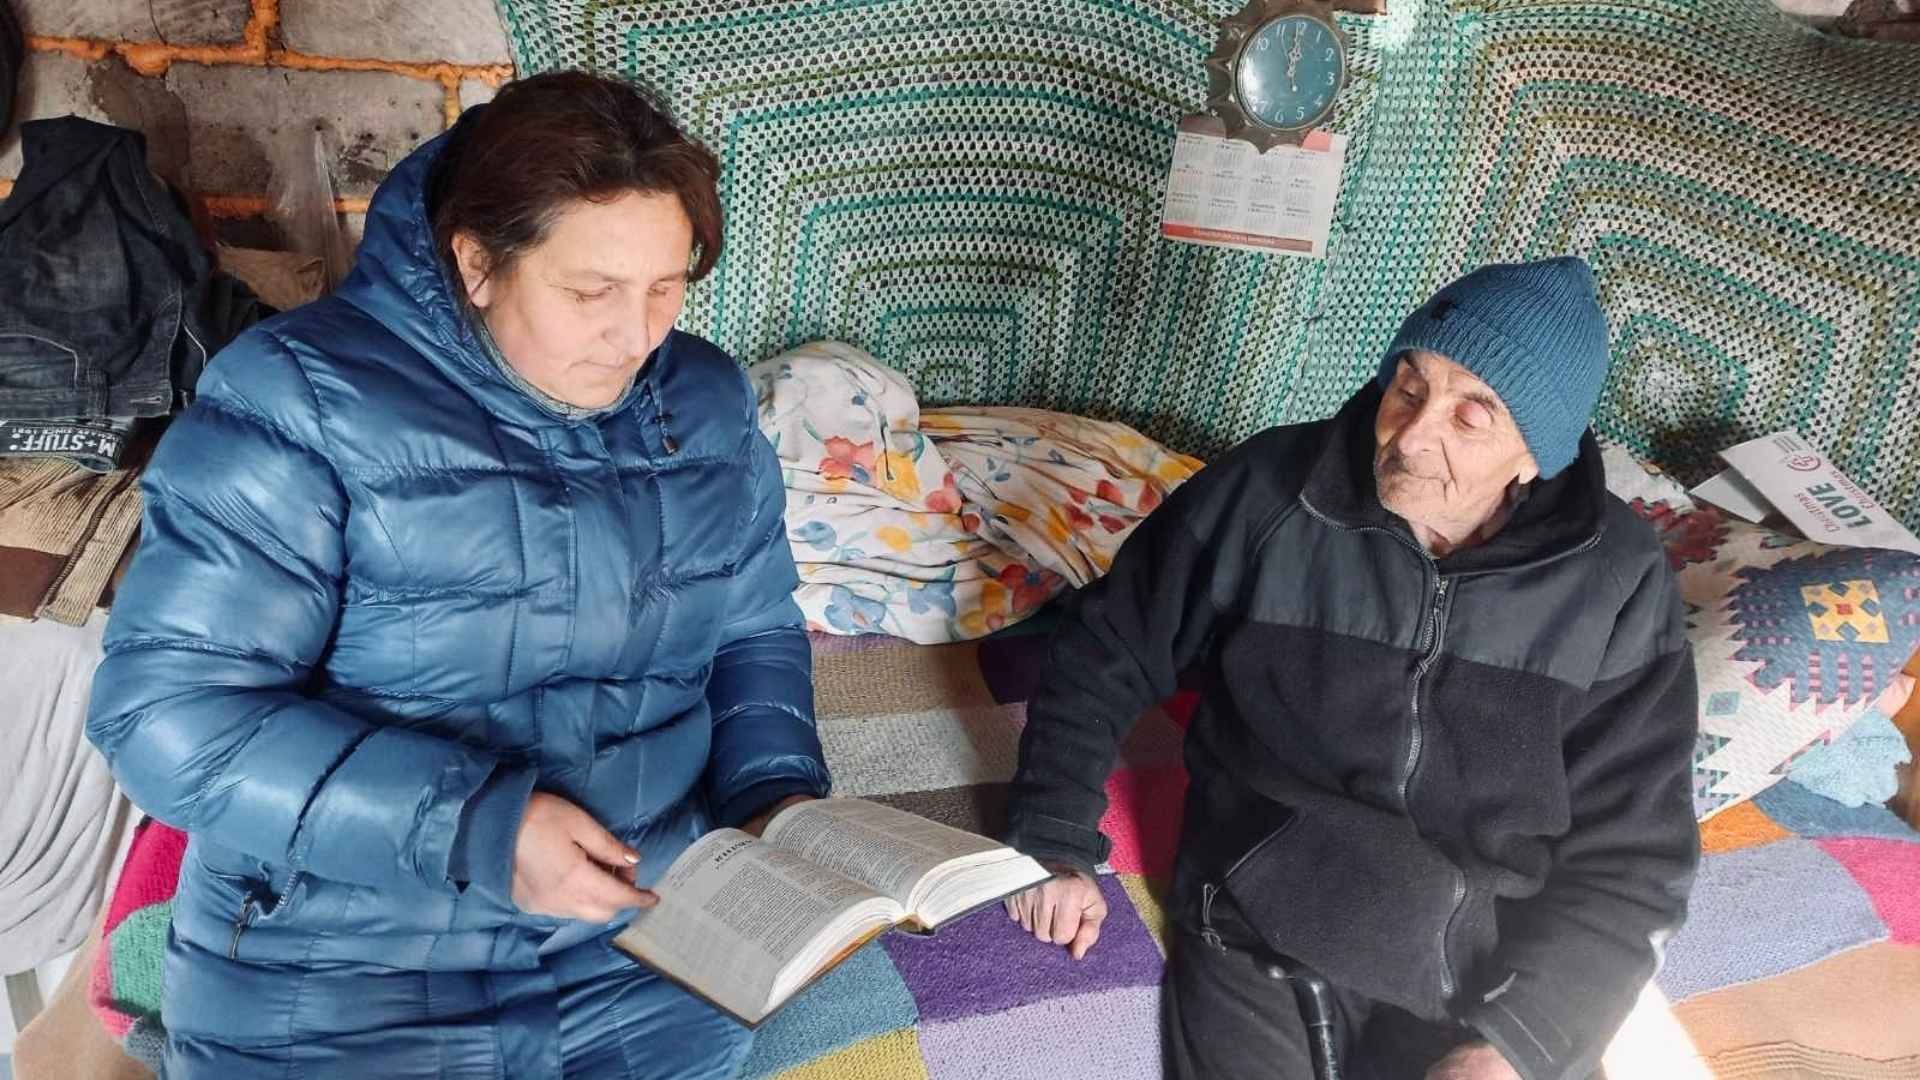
column 1424, row 430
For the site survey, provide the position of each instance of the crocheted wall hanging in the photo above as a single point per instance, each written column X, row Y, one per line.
column 971, row 192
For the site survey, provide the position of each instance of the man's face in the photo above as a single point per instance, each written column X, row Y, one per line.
column 1445, row 448
column 578, row 315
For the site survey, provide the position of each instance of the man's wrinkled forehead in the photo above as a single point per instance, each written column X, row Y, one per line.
column 1433, row 367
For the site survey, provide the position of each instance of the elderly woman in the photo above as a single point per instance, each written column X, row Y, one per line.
column 463, row 606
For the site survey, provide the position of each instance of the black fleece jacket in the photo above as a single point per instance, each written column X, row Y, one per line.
column 1456, row 785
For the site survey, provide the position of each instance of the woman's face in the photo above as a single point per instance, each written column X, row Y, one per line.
column 578, row 315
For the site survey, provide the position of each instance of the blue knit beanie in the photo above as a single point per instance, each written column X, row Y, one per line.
column 1532, row 331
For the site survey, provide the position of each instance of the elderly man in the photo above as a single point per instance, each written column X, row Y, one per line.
column 1442, row 752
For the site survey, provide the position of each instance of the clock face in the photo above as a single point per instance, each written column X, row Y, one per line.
column 1289, row 72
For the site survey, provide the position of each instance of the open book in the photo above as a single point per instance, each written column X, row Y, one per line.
column 748, row 923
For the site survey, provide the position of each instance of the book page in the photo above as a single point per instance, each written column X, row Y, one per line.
column 888, row 849
column 966, row 885
column 734, row 912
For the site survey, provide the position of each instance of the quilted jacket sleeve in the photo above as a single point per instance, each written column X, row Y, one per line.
column 765, row 747
column 230, row 604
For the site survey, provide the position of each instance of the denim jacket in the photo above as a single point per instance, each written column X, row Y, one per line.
column 108, row 305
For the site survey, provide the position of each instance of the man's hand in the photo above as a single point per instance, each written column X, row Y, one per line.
column 566, row 866
column 758, row 823
column 1066, row 910
column 1473, row 1061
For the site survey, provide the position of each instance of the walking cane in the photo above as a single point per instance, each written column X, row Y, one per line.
column 1318, row 1011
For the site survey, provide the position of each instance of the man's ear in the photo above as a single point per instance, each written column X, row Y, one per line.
column 1529, row 470
column 476, row 268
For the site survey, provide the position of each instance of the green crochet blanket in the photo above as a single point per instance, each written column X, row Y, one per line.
column 970, row 190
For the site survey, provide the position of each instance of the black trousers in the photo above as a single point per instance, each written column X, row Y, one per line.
column 1225, row 1016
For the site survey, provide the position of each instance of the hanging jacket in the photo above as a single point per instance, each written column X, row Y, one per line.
column 109, row 307
column 104, row 288
column 384, row 594
column 1456, row 785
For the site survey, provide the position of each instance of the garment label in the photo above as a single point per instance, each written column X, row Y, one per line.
column 97, row 445
column 1815, row 495
column 1223, row 192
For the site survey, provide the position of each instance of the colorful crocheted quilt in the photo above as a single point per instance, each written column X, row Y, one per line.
column 1793, row 641
column 971, row 192
column 1791, row 883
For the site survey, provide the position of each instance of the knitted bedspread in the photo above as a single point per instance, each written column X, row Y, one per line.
column 1802, row 951
column 971, row 191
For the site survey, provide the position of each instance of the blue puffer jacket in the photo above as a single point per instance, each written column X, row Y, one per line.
column 382, row 594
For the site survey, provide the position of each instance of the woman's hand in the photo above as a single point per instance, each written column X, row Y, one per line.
column 568, row 867
column 758, row 823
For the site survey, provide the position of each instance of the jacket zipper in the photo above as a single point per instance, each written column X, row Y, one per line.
column 240, row 924
column 251, row 908
column 1437, row 627
column 1433, row 636
column 1207, row 933
column 1448, row 983
column 1208, row 890
column 1431, row 633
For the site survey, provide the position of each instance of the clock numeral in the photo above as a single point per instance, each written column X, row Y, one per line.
column 1265, row 44
column 1329, row 78
column 1329, row 54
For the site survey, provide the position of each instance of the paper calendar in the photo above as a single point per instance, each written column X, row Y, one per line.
column 1224, row 193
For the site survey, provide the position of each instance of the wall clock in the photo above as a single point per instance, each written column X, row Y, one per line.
column 1276, row 71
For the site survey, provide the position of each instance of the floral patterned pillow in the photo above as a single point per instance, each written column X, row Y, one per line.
column 946, row 524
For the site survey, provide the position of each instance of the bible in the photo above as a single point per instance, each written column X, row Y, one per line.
column 747, row 923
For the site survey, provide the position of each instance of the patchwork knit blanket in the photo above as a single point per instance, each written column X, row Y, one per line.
column 126, row 985
column 1794, row 890
column 1801, row 956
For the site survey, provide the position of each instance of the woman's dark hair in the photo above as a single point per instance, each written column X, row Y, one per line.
column 545, row 141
